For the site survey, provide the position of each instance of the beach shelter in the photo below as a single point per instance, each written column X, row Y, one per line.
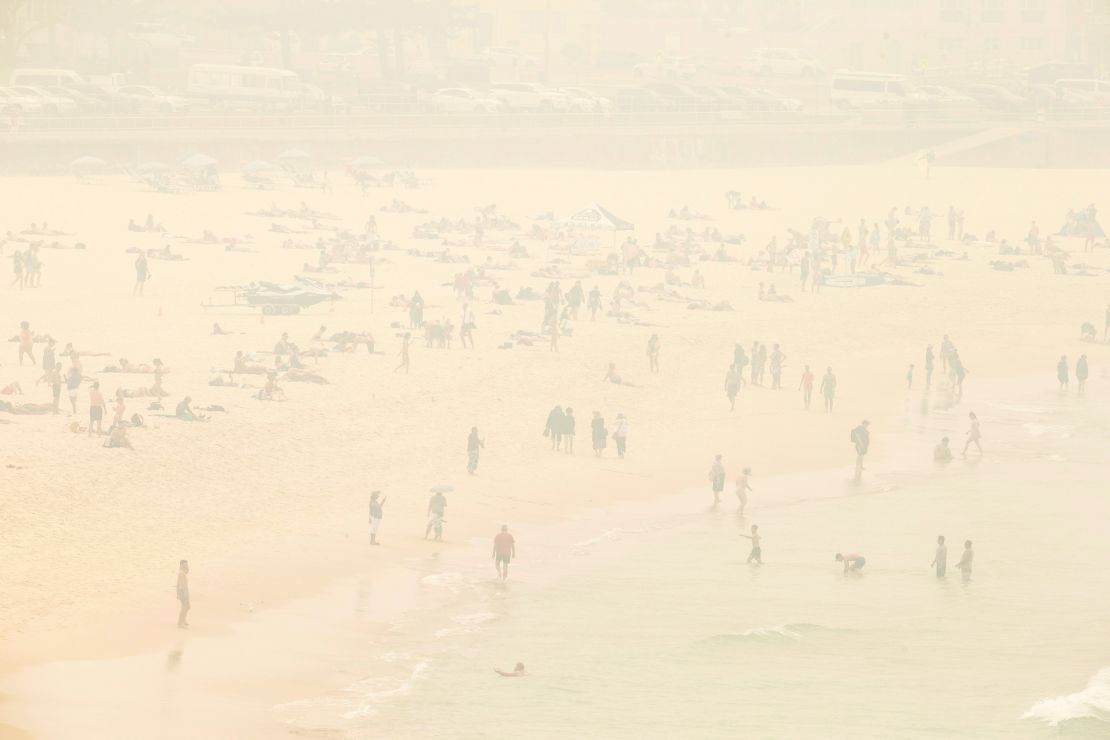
column 595, row 216
column 87, row 163
column 199, row 162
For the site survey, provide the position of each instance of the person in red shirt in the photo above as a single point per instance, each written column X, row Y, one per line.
column 504, row 550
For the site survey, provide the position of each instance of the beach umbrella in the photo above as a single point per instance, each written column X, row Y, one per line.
column 259, row 165
column 199, row 162
column 442, row 488
column 366, row 161
column 293, row 154
column 152, row 167
column 87, row 163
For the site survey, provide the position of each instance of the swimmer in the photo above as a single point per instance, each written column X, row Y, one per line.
column 756, row 554
column 852, row 562
column 516, row 672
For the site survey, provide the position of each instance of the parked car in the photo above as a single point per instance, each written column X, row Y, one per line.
column 580, row 100
column 1097, row 92
column 684, row 97
column 674, row 68
column 50, row 103
column 641, row 100
column 149, row 99
column 999, row 98
column 940, row 95
column 781, row 62
column 460, row 100
column 15, row 102
column 529, row 96
column 85, row 103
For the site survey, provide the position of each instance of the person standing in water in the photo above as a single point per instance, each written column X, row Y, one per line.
column 964, row 566
column 717, row 479
column 183, row 594
column 1081, row 373
column 742, row 488
column 756, row 555
column 1062, row 372
column 940, row 559
column 930, row 363
column 852, row 562
column 973, row 434
column 375, row 516
column 861, row 438
column 805, row 385
column 828, row 389
column 504, row 550
column 474, row 445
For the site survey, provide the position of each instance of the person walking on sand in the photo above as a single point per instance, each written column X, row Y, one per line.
column 142, row 274
column 437, row 508
column 376, row 504
column 861, row 438
column 653, row 353
column 973, row 434
column 778, row 360
column 26, row 343
column 474, row 445
column 717, row 479
column 73, row 383
column 742, row 488
column 97, row 409
column 554, row 428
column 569, row 423
column 600, row 434
column 504, row 550
column 968, row 555
column 1081, row 372
column 930, row 362
column 1061, row 372
column 909, row 377
column 805, row 385
column 828, row 389
column 183, row 594
column 594, row 302
column 620, row 435
column 756, row 555
column 405, row 342
column 732, row 386
column 940, row 559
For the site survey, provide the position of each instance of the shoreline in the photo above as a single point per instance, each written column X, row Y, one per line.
column 408, row 574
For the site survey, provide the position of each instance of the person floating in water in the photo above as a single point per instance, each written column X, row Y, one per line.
column 853, row 563
column 516, row 672
column 756, row 555
column 973, row 434
column 940, row 559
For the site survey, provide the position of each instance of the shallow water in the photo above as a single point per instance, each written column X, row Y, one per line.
column 653, row 625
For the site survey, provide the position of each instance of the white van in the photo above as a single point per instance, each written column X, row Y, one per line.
column 869, row 88
column 262, row 86
column 32, row 77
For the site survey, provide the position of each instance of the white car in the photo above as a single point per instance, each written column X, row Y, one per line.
column 782, row 62
column 674, row 68
column 14, row 102
column 939, row 95
column 461, row 100
column 529, row 96
column 580, row 100
column 49, row 103
column 147, row 99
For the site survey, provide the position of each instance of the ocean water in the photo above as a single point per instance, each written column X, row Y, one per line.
column 650, row 624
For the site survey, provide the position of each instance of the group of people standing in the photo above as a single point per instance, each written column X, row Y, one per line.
column 561, row 427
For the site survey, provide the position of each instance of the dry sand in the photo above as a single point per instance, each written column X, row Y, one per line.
column 268, row 501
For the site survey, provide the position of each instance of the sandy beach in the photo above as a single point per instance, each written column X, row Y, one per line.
column 268, row 500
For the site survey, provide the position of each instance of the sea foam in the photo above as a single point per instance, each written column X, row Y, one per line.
column 1092, row 702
